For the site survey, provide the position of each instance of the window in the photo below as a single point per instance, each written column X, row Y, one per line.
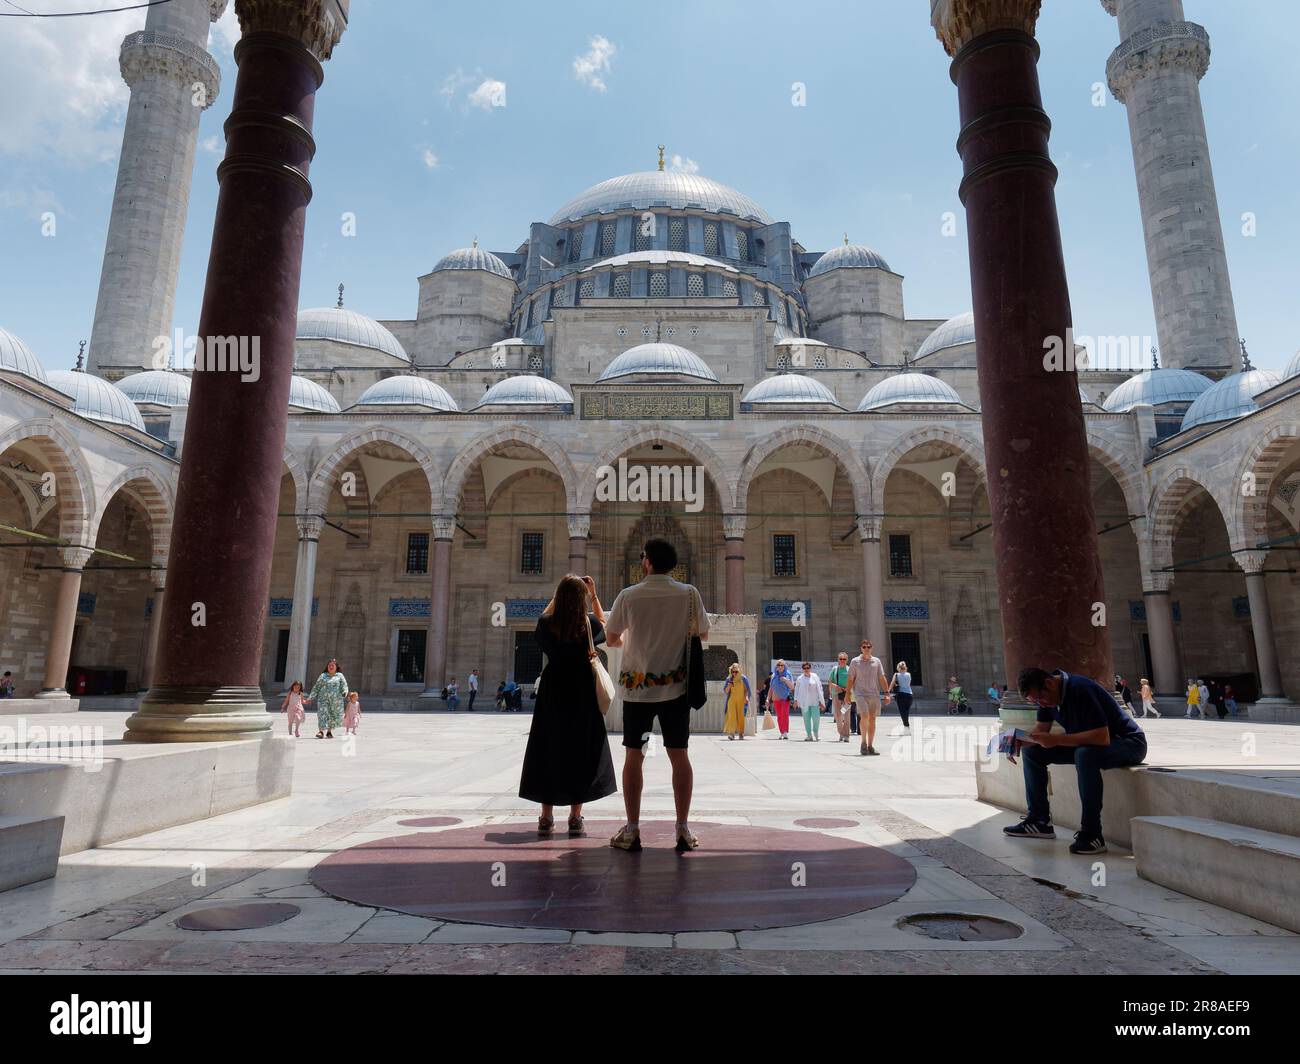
column 729, row 289
column 535, row 361
column 622, row 284
column 658, row 284
column 906, row 646
column 608, row 233
column 742, row 244
column 557, row 296
column 417, row 553
column 530, row 555
column 782, row 361
column 695, row 284
column 819, row 361
column 900, row 555
column 410, row 655
column 788, row 646
column 587, row 289
column 575, row 246
column 783, row 555
column 676, row 234
column 282, row 654
column 712, row 239
column 760, row 297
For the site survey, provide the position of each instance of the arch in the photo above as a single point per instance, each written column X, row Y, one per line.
column 696, row 448
column 298, row 470
column 154, row 495
column 523, row 475
column 322, row 481
column 968, row 448
column 1249, row 520
column 1126, row 475
column 1166, row 502
column 477, row 448
column 73, row 482
column 839, row 449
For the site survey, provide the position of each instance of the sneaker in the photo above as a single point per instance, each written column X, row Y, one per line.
column 627, row 839
column 862, row 750
column 686, row 840
column 1030, row 829
column 1087, row 844
column 872, row 751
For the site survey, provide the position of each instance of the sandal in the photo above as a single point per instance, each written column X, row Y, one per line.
column 545, row 825
column 329, row 735
column 576, row 829
column 320, row 735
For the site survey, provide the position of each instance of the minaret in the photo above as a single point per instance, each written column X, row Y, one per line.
column 1156, row 72
column 173, row 80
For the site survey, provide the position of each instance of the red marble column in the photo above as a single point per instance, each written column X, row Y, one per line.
column 1044, row 531
column 208, row 658
column 733, row 534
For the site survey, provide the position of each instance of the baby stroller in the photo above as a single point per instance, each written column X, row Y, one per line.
column 961, row 705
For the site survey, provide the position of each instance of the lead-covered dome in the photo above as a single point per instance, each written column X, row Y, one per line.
column 909, row 389
column 96, row 398
column 525, row 390
column 161, row 387
column 408, row 390
column 849, row 257
column 790, row 388
column 1230, row 398
column 1155, row 387
column 348, row 327
column 17, row 356
column 658, row 359
column 474, row 258
column 660, row 188
column 955, row 332
column 307, row 395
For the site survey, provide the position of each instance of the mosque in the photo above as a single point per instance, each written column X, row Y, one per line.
column 441, row 471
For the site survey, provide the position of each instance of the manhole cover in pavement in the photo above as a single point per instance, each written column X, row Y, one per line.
column 430, row 822
column 237, row 917
column 742, row 878
column 826, row 822
column 961, row 927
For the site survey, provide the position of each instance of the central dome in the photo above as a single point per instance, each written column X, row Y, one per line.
column 660, row 188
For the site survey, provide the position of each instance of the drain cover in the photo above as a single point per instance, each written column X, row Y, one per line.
column 961, row 927
column 237, row 917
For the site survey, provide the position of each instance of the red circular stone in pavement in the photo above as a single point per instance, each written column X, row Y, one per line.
column 430, row 822
column 742, row 878
column 826, row 822
column 244, row 917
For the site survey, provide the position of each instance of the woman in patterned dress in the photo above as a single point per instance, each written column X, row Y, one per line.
column 329, row 692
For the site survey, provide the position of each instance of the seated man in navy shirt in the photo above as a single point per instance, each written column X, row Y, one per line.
column 1098, row 735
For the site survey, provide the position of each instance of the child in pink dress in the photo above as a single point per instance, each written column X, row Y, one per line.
column 352, row 713
column 292, row 706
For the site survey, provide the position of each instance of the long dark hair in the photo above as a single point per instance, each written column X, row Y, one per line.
column 570, row 616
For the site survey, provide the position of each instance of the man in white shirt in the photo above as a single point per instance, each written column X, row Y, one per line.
column 808, row 698
column 651, row 622
column 867, row 684
column 473, row 688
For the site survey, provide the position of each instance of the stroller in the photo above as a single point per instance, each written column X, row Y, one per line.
column 961, row 705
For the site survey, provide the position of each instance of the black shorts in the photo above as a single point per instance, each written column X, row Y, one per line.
column 674, row 722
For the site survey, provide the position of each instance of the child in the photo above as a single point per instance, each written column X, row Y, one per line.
column 352, row 713
column 292, row 705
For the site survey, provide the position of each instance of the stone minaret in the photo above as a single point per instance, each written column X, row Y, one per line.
column 173, row 80
column 1156, row 72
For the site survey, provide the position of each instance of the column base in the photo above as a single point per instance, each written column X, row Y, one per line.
column 180, row 713
column 51, row 692
column 1281, row 710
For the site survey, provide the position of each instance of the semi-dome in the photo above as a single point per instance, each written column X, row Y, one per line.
column 17, row 356
column 525, row 390
column 849, row 257
column 408, row 390
column 909, row 388
column 158, row 386
column 658, row 358
column 307, row 395
column 96, row 398
column 790, row 388
column 660, row 188
column 1155, row 387
column 474, row 258
column 348, row 327
column 659, row 257
column 1230, row 398
column 952, row 333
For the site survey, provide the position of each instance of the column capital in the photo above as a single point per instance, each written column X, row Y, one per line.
column 74, row 557
column 1251, row 561
column 309, row 526
column 158, row 579
column 1157, row 583
column 579, row 526
column 444, row 526
column 1158, row 48
column 733, row 526
column 316, row 24
column 958, row 22
column 150, row 54
column 869, row 527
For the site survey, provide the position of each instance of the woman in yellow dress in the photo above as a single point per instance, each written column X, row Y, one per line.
column 737, row 695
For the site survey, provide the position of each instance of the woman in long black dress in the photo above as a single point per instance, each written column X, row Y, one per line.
column 567, row 761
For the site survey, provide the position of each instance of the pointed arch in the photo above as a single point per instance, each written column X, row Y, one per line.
column 854, row 468
column 970, row 449
column 1249, row 521
column 73, row 481
column 1118, row 465
column 691, row 445
column 323, row 480
column 1167, row 500
column 153, row 494
column 454, row 480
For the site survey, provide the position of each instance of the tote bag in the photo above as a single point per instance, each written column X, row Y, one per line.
column 604, row 685
column 696, row 693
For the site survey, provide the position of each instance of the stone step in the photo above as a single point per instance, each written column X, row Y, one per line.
column 29, row 849
column 1243, row 869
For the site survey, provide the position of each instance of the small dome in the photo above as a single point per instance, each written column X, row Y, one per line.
column 658, row 358
column 1292, row 367
column 525, row 390
column 408, row 390
column 660, row 188
column 849, row 257
column 96, row 398
column 348, row 327
column 1155, row 387
column 790, row 388
column 307, row 395
column 909, row 388
column 17, row 356
column 952, row 333
column 159, row 386
column 474, row 258
column 1230, row 398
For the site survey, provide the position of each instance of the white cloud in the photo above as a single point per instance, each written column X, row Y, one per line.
column 211, row 144
column 686, row 166
column 594, row 62
column 491, row 93
column 452, row 84
column 225, row 35
column 430, row 160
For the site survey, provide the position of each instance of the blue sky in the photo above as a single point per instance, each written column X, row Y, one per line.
column 404, row 146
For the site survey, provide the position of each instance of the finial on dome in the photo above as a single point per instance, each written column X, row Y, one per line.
column 846, row 239
column 1155, row 361
column 1246, row 367
column 661, row 158
column 340, row 295
column 475, row 244
column 81, row 357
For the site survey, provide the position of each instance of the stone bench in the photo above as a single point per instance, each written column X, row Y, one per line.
column 29, row 849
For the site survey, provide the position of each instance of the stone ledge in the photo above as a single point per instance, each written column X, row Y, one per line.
column 21, row 707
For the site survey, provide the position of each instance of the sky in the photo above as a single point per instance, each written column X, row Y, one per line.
column 442, row 122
